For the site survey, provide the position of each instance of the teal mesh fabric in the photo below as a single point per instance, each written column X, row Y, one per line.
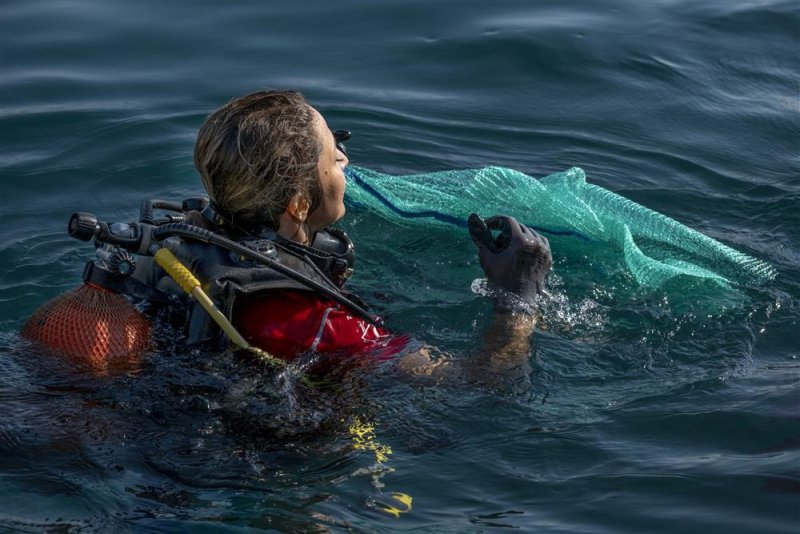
column 653, row 247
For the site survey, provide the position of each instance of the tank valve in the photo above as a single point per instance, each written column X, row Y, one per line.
column 83, row 226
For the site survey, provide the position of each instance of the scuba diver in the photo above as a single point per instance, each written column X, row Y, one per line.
column 264, row 246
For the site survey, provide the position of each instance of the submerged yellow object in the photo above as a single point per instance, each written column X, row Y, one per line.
column 363, row 435
column 403, row 499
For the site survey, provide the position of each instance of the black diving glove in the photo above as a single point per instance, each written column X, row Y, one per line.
column 515, row 263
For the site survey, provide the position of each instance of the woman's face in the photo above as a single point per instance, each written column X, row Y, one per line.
column 331, row 176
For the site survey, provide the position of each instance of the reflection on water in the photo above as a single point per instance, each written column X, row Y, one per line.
column 671, row 410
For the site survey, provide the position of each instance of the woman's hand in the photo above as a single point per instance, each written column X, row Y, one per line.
column 515, row 263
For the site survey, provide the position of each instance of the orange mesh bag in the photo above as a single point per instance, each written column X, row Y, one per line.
column 92, row 325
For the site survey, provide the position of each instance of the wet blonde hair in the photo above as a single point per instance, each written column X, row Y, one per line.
column 255, row 153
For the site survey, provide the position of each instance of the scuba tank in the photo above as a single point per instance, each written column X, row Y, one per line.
column 96, row 324
column 92, row 325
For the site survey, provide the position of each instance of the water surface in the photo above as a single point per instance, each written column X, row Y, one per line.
column 640, row 416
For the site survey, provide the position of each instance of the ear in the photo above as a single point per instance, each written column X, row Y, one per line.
column 298, row 208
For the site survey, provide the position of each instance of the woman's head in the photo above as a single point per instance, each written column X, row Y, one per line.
column 260, row 153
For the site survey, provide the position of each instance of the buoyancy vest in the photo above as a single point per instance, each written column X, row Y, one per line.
column 289, row 322
column 271, row 310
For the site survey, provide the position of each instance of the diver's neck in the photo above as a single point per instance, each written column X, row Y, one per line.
column 299, row 232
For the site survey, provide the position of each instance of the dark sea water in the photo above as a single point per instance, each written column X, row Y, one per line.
column 640, row 416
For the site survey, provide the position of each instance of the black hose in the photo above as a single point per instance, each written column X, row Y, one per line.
column 148, row 206
column 146, row 212
column 200, row 234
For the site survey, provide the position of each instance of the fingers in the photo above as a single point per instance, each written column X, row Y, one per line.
column 481, row 234
column 545, row 242
column 511, row 231
column 538, row 244
column 499, row 222
column 509, row 228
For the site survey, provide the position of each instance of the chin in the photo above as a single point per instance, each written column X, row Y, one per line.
column 340, row 215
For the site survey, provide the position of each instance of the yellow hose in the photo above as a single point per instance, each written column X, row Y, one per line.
column 189, row 283
column 363, row 434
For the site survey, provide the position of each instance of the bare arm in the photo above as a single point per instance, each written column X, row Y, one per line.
column 502, row 357
column 507, row 343
column 516, row 263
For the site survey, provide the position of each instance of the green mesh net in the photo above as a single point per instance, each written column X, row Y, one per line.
column 653, row 247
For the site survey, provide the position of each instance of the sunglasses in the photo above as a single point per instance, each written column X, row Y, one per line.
column 340, row 136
